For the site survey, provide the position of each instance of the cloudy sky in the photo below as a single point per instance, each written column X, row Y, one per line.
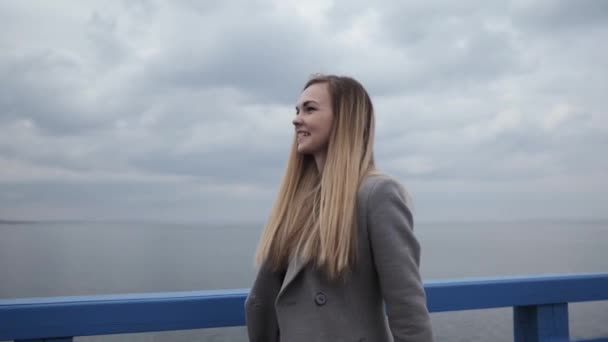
column 181, row 110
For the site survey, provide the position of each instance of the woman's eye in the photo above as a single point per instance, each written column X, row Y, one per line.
column 310, row 109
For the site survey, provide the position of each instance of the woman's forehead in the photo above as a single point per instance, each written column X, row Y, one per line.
column 317, row 92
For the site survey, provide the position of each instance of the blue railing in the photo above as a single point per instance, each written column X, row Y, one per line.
column 540, row 308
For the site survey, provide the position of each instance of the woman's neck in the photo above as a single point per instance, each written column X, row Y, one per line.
column 320, row 160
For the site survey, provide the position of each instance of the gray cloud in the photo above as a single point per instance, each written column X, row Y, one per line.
column 251, row 47
column 182, row 111
column 549, row 15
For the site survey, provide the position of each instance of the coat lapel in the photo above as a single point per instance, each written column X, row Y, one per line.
column 294, row 268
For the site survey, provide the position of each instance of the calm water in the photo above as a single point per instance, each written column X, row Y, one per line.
column 99, row 258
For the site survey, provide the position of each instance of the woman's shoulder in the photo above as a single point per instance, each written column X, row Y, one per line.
column 382, row 192
column 379, row 184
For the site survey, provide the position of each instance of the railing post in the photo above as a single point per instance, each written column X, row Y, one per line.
column 541, row 323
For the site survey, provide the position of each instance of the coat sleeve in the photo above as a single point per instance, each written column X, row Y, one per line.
column 260, row 314
column 396, row 254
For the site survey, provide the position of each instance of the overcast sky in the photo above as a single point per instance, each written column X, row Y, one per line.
column 181, row 110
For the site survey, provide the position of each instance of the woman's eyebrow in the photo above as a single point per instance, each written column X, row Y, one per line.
column 306, row 103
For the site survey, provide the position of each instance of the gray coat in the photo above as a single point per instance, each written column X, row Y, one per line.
column 303, row 306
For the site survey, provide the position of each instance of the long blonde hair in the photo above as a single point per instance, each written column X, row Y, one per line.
column 313, row 217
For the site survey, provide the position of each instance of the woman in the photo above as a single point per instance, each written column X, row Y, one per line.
column 339, row 243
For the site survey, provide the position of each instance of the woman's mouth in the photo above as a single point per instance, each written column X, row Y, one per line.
column 302, row 134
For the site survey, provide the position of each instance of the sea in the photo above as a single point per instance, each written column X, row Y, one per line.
column 40, row 259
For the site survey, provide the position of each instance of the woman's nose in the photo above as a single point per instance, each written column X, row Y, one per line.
column 297, row 120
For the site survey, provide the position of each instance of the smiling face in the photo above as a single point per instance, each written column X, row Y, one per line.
column 314, row 118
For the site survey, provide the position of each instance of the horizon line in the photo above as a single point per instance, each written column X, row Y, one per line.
column 253, row 221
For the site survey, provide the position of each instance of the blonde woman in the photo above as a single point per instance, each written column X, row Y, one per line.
column 338, row 255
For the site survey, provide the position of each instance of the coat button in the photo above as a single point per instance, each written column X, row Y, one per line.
column 320, row 298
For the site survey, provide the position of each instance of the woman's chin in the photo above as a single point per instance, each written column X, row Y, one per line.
column 303, row 149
